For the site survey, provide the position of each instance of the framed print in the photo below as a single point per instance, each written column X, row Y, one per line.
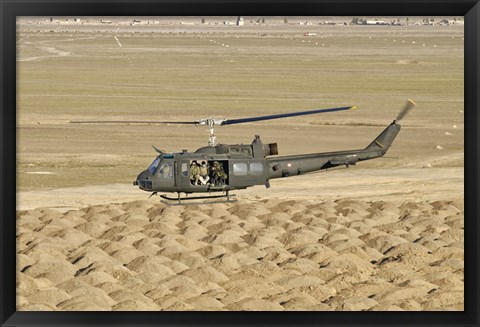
column 228, row 163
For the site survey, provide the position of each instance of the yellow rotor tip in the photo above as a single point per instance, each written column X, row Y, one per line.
column 412, row 102
column 353, row 108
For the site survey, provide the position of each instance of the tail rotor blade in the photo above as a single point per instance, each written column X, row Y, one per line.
column 410, row 104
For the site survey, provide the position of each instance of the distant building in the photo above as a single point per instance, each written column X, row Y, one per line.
column 453, row 21
column 240, row 21
column 310, row 34
column 376, row 22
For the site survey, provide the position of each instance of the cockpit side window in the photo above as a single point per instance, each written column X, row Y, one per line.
column 154, row 165
column 166, row 170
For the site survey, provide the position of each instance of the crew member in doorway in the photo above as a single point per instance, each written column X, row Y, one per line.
column 204, row 178
column 194, row 172
column 218, row 174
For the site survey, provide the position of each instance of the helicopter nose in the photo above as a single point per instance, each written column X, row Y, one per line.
column 144, row 181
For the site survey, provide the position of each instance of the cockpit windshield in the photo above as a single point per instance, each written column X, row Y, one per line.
column 153, row 167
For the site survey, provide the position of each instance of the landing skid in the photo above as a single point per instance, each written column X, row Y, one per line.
column 178, row 199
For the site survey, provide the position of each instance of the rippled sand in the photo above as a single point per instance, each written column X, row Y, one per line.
column 250, row 255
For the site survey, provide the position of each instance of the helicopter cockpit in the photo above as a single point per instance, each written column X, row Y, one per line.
column 161, row 170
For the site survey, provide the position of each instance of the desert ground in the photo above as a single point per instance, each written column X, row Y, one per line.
column 385, row 234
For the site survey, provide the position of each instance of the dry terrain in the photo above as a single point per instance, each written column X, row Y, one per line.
column 383, row 235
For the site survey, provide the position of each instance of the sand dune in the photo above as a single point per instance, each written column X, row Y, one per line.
column 273, row 254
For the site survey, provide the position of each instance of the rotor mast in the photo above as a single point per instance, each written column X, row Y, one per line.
column 210, row 123
column 212, row 139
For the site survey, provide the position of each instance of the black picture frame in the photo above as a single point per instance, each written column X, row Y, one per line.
column 10, row 9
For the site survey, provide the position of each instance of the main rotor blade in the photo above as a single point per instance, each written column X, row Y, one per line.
column 130, row 122
column 408, row 106
column 292, row 114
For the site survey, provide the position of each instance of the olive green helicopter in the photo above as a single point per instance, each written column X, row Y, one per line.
column 221, row 168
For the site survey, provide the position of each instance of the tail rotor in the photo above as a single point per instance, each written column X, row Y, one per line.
column 408, row 106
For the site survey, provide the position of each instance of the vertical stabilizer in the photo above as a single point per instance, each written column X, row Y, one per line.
column 385, row 139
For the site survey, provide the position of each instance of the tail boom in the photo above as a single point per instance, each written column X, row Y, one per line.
column 300, row 164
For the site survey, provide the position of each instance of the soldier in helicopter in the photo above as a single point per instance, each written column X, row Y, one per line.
column 218, row 174
column 203, row 176
column 194, row 172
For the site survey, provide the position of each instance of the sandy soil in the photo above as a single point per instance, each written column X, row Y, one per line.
column 270, row 254
column 382, row 235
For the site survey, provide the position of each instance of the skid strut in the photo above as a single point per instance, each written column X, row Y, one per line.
column 179, row 199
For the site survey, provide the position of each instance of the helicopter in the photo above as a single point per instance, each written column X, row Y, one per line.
column 221, row 168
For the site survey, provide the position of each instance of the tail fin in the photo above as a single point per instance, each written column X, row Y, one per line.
column 385, row 139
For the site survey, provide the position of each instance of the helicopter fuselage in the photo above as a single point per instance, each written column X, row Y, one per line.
column 232, row 167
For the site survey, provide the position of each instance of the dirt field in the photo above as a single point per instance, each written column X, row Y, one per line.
column 383, row 235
